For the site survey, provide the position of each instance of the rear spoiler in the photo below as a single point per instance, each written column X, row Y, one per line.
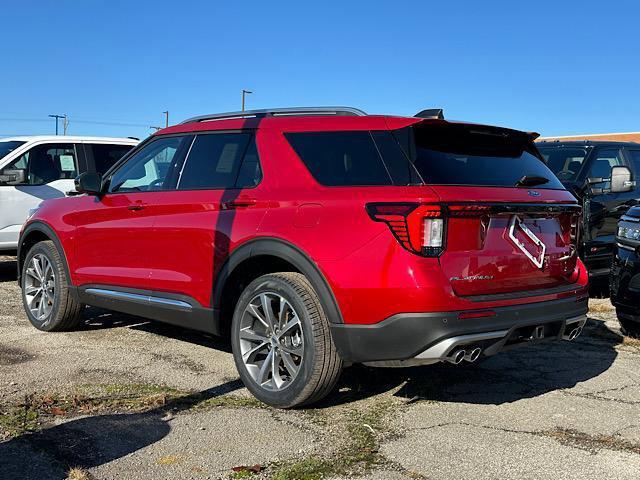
column 431, row 113
column 438, row 114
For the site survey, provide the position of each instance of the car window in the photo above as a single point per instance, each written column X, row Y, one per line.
column 106, row 155
column 7, row 147
column 250, row 171
column 46, row 163
column 635, row 160
column 565, row 162
column 341, row 158
column 605, row 159
column 460, row 154
column 150, row 168
column 214, row 161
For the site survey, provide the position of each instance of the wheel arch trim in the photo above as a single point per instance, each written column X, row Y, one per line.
column 283, row 249
column 44, row 228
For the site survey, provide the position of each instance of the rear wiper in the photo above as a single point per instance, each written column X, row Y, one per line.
column 531, row 181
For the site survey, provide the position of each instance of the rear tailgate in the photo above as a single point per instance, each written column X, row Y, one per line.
column 510, row 224
column 503, row 240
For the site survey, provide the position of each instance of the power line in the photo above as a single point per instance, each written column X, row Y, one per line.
column 78, row 120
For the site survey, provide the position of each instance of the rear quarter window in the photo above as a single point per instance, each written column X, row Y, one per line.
column 341, row 158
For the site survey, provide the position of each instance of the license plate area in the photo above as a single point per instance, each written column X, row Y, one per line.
column 526, row 241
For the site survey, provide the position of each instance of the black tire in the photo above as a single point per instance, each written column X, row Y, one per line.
column 320, row 366
column 630, row 324
column 66, row 312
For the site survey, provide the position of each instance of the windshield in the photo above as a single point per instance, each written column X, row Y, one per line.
column 7, row 147
column 565, row 162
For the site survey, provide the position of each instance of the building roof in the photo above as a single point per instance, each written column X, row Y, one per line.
column 616, row 137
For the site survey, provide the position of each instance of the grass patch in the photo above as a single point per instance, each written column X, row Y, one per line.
column 77, row 473
column 631, row 342
column 169, row 460
column 129, row 398
column 359, row 455
column 600, row 306
column 592, row 443
column 17, row 420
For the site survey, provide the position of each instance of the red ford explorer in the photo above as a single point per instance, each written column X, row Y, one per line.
column 315, row 237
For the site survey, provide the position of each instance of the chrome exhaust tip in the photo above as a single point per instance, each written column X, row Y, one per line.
column 455, row 357
column 473, row 355
column 573, row 334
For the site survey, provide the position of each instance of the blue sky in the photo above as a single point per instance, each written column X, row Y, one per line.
column 554, row 67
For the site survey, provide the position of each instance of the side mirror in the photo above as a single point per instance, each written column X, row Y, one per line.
column 621, row 180
column 12, row 177
column 89, row 182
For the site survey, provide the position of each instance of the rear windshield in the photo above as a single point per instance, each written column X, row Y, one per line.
column 7, row 147
column 423, row 154
column 565, row 162
column 469, row 155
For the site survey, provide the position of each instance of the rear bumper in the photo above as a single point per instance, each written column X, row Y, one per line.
column 430, row 337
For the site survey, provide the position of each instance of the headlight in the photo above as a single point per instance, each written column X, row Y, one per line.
column 631, row 233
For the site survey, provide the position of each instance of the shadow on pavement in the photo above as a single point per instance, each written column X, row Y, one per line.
column 524, row 372
column 8, row 269
column 97, row 319
column 92, row 441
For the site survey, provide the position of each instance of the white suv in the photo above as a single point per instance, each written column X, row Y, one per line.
column 35, row 168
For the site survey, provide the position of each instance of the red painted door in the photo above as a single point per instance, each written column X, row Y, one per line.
column 219, row 202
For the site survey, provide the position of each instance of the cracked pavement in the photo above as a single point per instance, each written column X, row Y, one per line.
column 556, row 410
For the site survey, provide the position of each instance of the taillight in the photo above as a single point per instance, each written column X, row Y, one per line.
column 418, row 228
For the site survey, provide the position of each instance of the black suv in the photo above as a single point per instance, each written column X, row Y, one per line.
column 625, row 273
column 603, row 176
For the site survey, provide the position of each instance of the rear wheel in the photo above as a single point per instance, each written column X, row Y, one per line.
column 45, row 290
column 630, row 324
column 281, row 342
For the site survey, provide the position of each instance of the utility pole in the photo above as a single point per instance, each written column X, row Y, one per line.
column 244, row 92
column 57, row 117
column 166, row 118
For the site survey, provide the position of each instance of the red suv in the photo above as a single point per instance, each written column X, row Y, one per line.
column 317, row 237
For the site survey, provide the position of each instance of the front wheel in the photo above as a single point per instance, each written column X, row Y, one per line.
column 45, row 290
column 281, row 342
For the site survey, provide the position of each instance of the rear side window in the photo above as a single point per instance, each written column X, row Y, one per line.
column 216, row 161
column 341, row 158
column 105, row 155
column 453, row 154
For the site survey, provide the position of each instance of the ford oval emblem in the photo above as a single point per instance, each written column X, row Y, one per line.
column 533, row 193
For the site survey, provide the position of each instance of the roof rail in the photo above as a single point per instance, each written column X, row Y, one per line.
column 273, row 112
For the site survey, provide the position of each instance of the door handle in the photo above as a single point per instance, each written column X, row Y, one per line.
column 135, row 207
column 239, row 203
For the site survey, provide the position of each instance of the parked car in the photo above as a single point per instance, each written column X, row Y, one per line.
column 587, row 169
column 316, row 238
column 36, row 168
column 625, row 273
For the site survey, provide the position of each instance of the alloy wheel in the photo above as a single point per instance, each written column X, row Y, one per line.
column 271, row 341
column 39, row 287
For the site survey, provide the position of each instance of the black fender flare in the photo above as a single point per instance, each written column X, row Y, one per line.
column 41, row 227
column 278, row 248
